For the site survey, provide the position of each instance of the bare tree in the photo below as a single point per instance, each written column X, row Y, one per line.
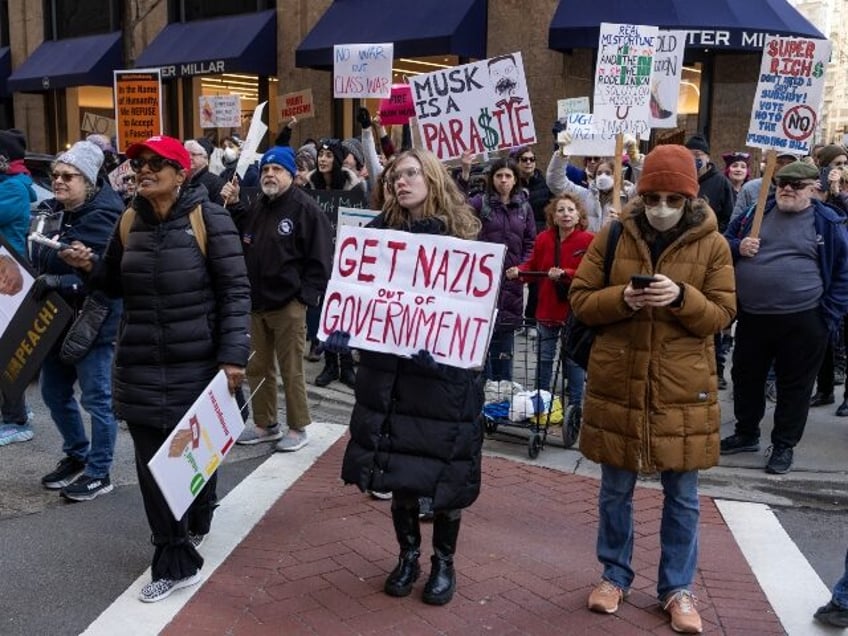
column 135, row 12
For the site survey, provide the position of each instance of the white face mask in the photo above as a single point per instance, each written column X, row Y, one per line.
column 604, row 182
column 663, row 217
column 230, row 154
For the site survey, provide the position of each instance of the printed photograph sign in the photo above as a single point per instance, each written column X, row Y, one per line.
column 399, row 293
column 789, row 94
column 482, row 106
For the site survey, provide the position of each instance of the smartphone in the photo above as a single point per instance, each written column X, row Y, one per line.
column 641, row 281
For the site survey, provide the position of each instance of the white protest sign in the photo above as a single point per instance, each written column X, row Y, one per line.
column 483, row 106
column 789, row 94
column 398, row 292
column 362, row 70
column 357, row 217
column 220, row 111
column 665, row 80
column 197, row 446
column 572, row 105
column 116, row 177
column 255, row 134
column 585, row 140
column 623, row 79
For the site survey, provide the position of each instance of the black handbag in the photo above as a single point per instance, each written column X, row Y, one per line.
column 577, row 336
column 86, row 328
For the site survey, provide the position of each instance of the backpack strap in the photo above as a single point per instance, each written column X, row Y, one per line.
column 609, row 255
column 125, row 224
column 195, row 217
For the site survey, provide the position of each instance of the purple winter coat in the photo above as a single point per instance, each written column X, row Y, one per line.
column 512, row 225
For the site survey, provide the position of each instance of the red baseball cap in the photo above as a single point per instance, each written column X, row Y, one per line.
column 164, row 146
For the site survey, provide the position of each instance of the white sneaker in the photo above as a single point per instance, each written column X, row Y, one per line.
column 257, row 434
column 162, row 588
column 292, row 441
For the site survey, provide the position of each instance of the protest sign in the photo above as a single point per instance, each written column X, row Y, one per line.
column 789, row 94
column 585, row 140
column 138, row 105
column 197, row 446
column 623, row 79
column 254, row 137
column 356, row 217
column 482, row 106
column 331, row 200
column 362, row 70
column 397, row 109
column 28, row 327
column 572, row 105
column 298, row 104
column 97, row 124
column 398, row 292
column 220, row 111
column 117, row 176
column 665, row 80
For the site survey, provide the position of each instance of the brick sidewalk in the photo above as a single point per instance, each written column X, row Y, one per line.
column 316, row 563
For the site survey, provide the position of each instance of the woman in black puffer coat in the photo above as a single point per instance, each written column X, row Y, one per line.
column 415, row 428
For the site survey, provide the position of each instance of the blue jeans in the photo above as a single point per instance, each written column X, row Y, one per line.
column 678, row 528
column 574, row 375
column 840, row 590
column 57, row 388
column 499, row 360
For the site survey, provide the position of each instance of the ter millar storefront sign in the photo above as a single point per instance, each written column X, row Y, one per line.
column 726, row 39
column 188, row 69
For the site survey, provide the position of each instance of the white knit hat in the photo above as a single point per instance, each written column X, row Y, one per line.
column 85, row 157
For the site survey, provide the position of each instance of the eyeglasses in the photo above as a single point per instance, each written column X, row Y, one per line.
column 408, row 174
column 527, row 159
column 154, row 162
column 795, row 185
column 593, row 159
column 66, row 177
column 672, row 200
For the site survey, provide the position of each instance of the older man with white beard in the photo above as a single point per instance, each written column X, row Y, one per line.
column 792, row 291
column 287, row 242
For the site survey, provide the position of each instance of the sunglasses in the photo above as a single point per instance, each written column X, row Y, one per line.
column 66, row 177
column 672, row 200
column 527, row 159
column 155, row 163
column 593, row 159
column 795, row 185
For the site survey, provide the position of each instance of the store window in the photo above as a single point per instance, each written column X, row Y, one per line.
column 189, row 10
column 75, row 18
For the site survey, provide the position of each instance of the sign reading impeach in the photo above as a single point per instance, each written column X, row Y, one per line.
column 399, row 293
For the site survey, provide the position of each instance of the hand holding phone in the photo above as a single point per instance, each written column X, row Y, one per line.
column 641, row 281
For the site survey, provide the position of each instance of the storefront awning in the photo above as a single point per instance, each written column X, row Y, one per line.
column 235, row 44
column 418, row 29
column 84, row 61
column 727, row 25
column 5, row 70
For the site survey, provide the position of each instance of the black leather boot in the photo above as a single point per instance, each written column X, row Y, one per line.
column 440, row 586
column 347, row 374
column 330, row 372
column 408, row 534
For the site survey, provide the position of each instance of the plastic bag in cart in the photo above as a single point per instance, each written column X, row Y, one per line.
column 556, row 415
column 528, row 404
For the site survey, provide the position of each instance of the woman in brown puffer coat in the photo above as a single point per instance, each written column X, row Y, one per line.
column 651, row 402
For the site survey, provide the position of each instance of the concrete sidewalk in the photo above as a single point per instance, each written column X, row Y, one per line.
column 316, row 562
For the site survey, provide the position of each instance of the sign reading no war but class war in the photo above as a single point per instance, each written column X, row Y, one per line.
column 399, row 293
column 362, row 70
column 198, row 444
column 789, row 94
column 482, row 106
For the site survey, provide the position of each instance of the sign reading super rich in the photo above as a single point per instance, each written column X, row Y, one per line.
column 482, row 106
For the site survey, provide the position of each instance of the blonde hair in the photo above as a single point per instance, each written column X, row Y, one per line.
column 444, row 199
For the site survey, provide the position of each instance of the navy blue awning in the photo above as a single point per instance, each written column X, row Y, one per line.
column 729, row 25
column 418, row 29
column 245, row 43
column 84, row 61
column 5, row 70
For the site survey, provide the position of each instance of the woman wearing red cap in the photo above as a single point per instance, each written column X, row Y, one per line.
column 186, row 315
column 651, row 403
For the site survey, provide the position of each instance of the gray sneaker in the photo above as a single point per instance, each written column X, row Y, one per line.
column 257, row 435
column 292, row 441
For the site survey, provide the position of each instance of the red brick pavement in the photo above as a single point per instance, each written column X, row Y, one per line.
column 315, row 564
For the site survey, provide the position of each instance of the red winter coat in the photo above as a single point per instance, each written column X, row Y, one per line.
column 550, row 309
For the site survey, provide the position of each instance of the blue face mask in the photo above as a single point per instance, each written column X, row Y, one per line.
column 699, row 163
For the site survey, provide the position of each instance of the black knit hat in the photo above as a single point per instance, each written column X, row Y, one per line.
column 698, row 142
column 12, row 144
column 334, row 146
column 207, row 145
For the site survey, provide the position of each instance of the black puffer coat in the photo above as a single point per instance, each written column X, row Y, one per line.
column 183, row 315
column 413, row 429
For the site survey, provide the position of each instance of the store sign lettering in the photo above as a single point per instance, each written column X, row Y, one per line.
column 727, row 39
column 212, row 67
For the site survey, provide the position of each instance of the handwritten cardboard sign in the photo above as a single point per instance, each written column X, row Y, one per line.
column 586, row 140
column 572, row 105
column 398, row 292
column 220, row 111
column 398, row 108
column 789, row 94
column 138, row 105
column 298, row 104
column 623, row 78
column 196, row 447
column 482, row 106
column 362, row 70
column 665, row 80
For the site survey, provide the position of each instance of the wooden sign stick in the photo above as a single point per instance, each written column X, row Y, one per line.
column 771, row 161
column 616, row 186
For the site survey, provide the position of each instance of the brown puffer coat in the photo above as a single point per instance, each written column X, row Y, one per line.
column 651, row 402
